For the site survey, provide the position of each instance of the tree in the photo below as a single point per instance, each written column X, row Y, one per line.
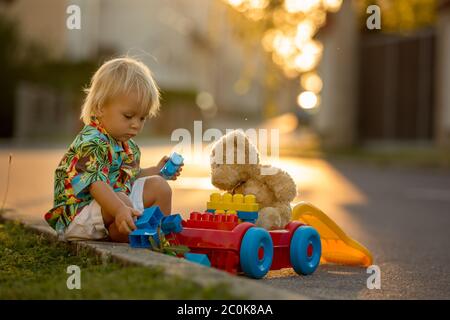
column 287, row 29
column 401, row 16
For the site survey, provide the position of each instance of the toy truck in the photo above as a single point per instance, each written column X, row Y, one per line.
column 236, row 245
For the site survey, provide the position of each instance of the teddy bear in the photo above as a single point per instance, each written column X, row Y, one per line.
column 236, row 168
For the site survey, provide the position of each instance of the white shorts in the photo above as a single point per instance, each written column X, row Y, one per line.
column 89, row 225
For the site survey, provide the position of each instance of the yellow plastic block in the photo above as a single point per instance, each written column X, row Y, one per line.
column 225, row 212
column 237, row 202
column 337, row 247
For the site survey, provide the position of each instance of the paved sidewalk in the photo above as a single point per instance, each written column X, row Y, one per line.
column 201, row 275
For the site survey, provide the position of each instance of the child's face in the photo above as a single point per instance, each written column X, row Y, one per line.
column 122, row 117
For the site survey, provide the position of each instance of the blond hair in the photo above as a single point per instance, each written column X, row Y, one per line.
column 121, row 76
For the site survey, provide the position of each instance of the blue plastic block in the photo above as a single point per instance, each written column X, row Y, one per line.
column 140, row 238
column 248, row 216
column 198, row 258
column 172, row 165
column 150, row 219
column 171, row 223
column 211, row 210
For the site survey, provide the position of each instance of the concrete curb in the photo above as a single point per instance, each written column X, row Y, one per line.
column 203, row 276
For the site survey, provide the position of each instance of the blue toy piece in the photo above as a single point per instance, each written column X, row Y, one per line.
column 150, row 219
column 172, row 165
column 147, row 225
column 248, row 216
column 256, row 252
column 139, row 238
column 198, row 258
column 171, row 224
column 306, row 250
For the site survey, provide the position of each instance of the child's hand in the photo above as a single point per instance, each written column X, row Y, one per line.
column 175, row 176
column 125, row 219
column 162, row 162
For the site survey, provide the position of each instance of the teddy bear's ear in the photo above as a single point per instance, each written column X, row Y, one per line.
column 235, row 147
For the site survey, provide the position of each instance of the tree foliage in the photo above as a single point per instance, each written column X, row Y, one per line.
column 400, row 16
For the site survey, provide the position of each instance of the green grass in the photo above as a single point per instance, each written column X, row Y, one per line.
column 32, row 267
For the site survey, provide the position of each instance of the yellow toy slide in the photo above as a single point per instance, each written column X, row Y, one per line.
column 337, row 247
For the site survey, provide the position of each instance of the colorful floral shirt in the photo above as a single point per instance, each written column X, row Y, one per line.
column 93, row 156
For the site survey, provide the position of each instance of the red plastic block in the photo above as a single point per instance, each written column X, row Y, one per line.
column 281, row 245
column 221, row 245
column 212, row 221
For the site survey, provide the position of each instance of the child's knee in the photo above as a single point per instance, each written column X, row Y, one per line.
column 165, row 189
column 158, row 185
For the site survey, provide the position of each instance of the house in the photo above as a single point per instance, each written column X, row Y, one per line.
column 442, row 119
column 385, row 88
column 189, row 46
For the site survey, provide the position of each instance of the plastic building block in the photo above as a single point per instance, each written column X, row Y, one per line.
column 150, row 219
column 212, row 221
column 139, row 238
column 172, row 165
column 147, row 225
column 220, row 211
column 236, row 202
column 171, row 224
column 198, row 258
column 248, row 216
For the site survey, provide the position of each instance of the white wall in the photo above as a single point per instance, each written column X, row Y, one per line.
column 83, row 44
column 336, row 118
column 41, row 22
column 187, row 44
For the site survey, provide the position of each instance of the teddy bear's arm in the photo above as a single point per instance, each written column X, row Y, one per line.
column 281, row 183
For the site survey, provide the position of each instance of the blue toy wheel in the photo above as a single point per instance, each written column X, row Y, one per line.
column 256, row 252
column 306, row 250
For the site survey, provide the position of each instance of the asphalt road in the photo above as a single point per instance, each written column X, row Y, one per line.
column 402, row 216
column 405, row 221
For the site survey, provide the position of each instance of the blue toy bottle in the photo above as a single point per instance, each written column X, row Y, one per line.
column 172, row 165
